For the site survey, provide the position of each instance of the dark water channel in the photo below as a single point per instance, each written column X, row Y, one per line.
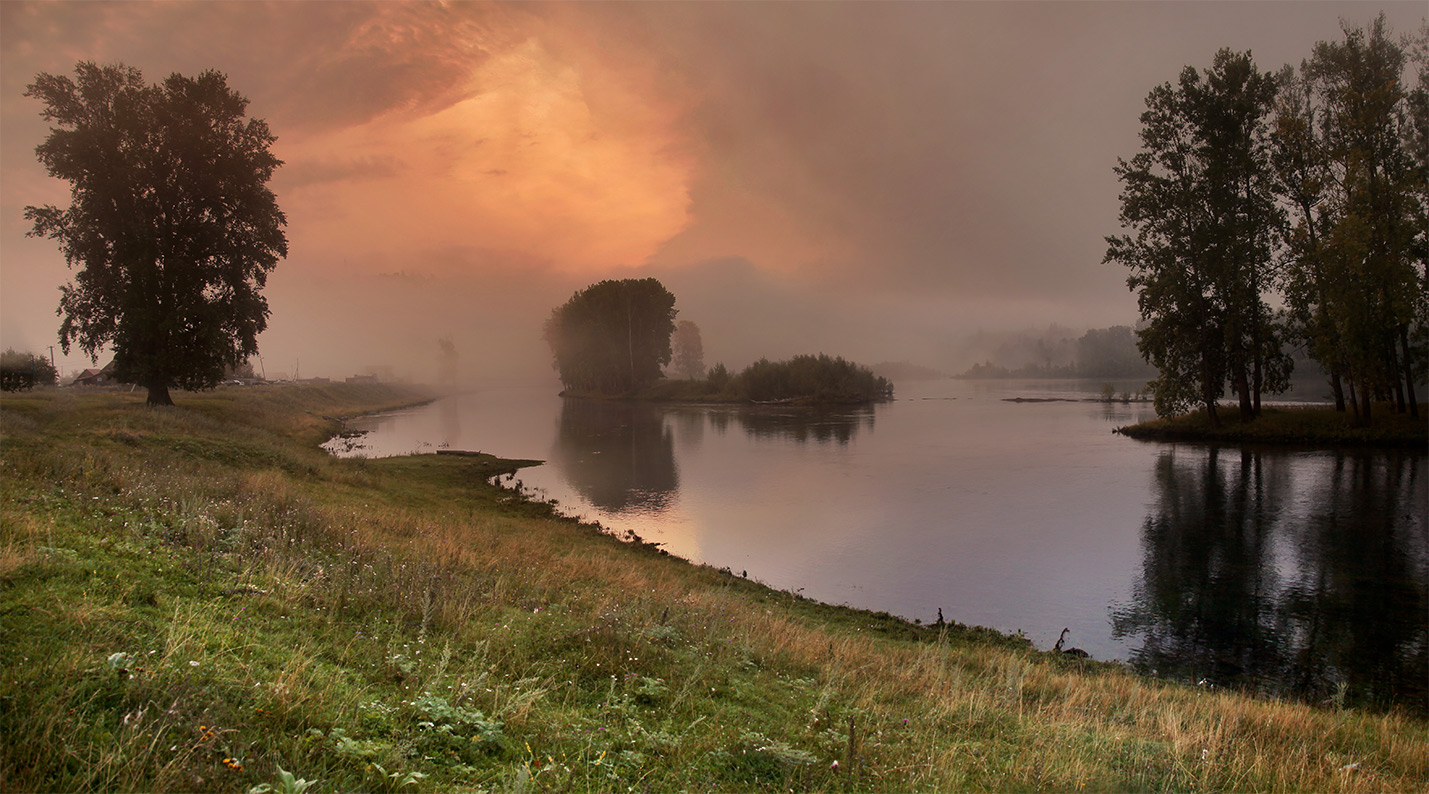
column 1292, row 573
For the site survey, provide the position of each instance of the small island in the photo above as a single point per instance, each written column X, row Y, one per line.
column 612, row 340
column 819, row 380
column 1317, row 426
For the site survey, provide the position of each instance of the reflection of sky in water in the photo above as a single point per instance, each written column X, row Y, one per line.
column 1023, row 517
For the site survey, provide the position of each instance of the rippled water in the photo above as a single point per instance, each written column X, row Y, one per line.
column 1286, row 572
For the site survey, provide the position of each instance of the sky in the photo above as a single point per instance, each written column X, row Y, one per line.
column 872, row 180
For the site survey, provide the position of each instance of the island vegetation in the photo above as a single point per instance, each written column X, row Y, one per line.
column 199, row 598
column 802, row 380
column 612, row 339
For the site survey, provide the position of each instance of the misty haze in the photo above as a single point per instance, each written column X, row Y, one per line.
column 714, row 396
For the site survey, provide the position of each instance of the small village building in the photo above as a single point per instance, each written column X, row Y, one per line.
column 96, row 377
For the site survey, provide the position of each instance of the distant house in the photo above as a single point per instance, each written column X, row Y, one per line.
column 96, row 377
column 362, row 379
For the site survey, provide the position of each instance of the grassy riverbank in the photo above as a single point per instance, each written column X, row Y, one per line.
column 192, row 598
column 1309, row 426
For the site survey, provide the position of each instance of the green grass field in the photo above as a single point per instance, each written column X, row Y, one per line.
column 196, row 598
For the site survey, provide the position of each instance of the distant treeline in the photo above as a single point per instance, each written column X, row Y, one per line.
column 20, row 370
column 1099, row 353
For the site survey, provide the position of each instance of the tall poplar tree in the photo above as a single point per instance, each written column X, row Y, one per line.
column 1199, row 200
column 1355, row 280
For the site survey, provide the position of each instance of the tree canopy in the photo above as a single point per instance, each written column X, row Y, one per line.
column 817, row 379
column 1351, row 167
column 1308, row 188
column 612, row 337
column 1198, row 197
column 171, row 223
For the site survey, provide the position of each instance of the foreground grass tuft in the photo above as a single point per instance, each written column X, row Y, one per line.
column 198, row 598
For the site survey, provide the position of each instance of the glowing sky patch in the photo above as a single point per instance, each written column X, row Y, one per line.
column 523, row 163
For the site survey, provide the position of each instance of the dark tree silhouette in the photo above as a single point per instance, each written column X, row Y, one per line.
column 1353, row 172
column 171, row 223
column 1198, row 198
column 612, row 337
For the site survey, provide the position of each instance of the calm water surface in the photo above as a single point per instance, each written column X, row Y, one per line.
column 1300, row 573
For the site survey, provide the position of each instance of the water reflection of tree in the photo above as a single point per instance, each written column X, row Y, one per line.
column 804, row 424
column 1213, row 603
column 618, row 455
column 1361, row 610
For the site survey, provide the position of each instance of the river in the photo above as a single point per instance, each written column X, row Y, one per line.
column 1299, row 573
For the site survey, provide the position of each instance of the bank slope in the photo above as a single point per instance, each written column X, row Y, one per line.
column 197, row 597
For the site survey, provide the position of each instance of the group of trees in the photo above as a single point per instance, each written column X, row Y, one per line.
column 19, row 371
column 1304, row 188
column 613, row 338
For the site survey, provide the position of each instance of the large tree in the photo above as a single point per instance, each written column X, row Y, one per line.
column 1350, row 160
column 612, row 337
column 171, row 223
column 1198, row 198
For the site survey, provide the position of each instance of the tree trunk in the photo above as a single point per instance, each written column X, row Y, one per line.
column 1257, row 380
column 1408, row 371
column 1398, row 371
column 1212, row 414
column 1365, row 398
column 1339, row 390
column 1242, row 387
column 159, row 394
column 1358, row 419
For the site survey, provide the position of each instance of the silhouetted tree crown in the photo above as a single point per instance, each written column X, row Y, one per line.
column 612, row 337
column 1198, row 198
column 1313, row 184
column 1352, row 168
column 171, row 223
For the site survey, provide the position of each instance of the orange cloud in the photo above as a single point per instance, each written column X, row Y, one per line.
column 558, row 158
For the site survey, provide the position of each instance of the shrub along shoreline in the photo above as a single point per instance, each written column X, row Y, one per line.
column 196, row 598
